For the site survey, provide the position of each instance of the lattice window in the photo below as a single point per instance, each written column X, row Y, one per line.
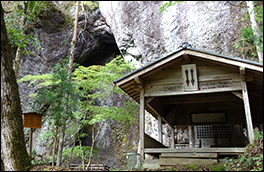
column 204, row 132
column 219, row 132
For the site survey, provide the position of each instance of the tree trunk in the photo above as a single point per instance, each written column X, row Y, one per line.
column 93, row 142
column 82, row 153
column 55, row 143
column 60, row 149
column 2, row 165
column 74, row 39
column 255, row 27
column 14, row 153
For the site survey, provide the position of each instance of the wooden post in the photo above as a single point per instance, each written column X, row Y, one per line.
column 250, row 132
column 30, row 141
column 142, row 124
column 191, row 137
column 160, row 129
column 172, row 138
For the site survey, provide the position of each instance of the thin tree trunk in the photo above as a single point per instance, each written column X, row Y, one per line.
column 93, row 141
column 255, row 27
column 82, row 152
column 74, row 39
column 59, row 157
column 60, row 149
column 55, row 143
column 20, row 49
column 13, row 147
column 75, row 138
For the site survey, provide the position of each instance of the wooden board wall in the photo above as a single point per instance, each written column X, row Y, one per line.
column 211, row 78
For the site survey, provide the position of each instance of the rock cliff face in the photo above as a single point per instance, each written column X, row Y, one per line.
column 141, row 34
column 144, row 34
column 95, row 46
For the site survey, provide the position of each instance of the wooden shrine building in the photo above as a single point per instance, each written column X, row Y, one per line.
column 213, row 95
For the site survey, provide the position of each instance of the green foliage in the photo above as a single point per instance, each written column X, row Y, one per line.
column 45, row 79
column 218, row 167
column 166, row 5
column 77, row 152
column 16, row 30
column 85, row 97
column 191, row 167
column 35, row 8
column 96, row 83
column 56, row 95
column 91, row 5
column 251, row 160
column 48, row 134
column 37, row 159
column 248, row 40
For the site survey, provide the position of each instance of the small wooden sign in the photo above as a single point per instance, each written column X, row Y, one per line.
column 208, row 118
column 32, row 120
column 189, row 75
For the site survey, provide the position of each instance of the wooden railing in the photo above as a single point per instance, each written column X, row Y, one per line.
column 186, row 146
column 182, row 146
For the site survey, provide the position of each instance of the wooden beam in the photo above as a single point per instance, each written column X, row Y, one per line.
column 148, row 100
column 225, row 60
column 186, row 161
column 188, row 155
column 158, row 109
column 247, row 112
column 160, row 129
column 172, row 137
column 200, row 99
column 242, row 73
column 196, row 150
column 150, row 93
column 142, row 124
column 238, row 94
column 186, row 58
column 152, row 143
column 139, row 81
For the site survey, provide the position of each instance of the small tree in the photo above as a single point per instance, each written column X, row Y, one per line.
column 94, row 86
column 96, row 83
column 55, row 94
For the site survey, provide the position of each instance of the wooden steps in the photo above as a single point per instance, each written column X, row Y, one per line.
column 92, row 167
column 186, row 158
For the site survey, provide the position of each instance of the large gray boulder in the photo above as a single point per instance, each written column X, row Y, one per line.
column 95, row 46
column 143, row 34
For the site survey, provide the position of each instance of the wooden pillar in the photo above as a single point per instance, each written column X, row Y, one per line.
column 172, row 137
column 160, row 129
column 142, row 124
column 247, row 106
column 191, row 137
column 30, row 141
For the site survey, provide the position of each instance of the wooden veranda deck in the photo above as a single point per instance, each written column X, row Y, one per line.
column 188, row 156
column 219, row 151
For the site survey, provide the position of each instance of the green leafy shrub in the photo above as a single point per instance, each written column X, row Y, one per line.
column 252, row 159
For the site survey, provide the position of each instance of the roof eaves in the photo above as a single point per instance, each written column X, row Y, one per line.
column 228, row 57
column 189, row 48
column 143, row 67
